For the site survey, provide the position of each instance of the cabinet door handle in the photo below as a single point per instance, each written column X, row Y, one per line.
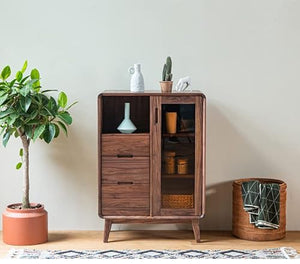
column 156, row 115
column 125, row 156
column 120, row 182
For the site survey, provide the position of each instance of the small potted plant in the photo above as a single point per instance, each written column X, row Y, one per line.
column 29, row 113
column 166, row 83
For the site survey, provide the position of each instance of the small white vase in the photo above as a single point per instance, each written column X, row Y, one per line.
column 137, row 79
column 126, row 126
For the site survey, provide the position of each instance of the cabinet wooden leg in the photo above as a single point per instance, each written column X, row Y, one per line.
column 107, row 228
column 196, row 229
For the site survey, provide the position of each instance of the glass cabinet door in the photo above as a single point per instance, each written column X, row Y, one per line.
column 177, row 156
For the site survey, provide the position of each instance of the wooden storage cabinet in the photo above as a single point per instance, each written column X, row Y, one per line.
column 152, row 175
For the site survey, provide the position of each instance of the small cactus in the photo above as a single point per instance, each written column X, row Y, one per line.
column 166, row 74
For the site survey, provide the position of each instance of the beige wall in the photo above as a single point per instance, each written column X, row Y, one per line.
column 244, row 55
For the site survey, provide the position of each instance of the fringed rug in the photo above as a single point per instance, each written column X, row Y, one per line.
column 270, row 253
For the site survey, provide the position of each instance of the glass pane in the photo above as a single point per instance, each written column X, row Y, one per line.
column 178, row 156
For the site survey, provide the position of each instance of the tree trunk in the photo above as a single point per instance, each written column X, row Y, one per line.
column 25, row 201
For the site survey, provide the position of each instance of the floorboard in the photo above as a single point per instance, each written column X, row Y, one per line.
column 154, row 240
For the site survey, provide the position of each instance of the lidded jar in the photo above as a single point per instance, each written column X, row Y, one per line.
column 182, row 166
column 169, row 158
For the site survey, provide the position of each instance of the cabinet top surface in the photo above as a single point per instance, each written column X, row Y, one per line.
column 149, row 93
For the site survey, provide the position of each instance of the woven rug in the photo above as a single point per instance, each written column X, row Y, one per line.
column 270, row 253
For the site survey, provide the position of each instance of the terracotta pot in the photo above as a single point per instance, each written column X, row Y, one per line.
column 166, row 86
column 24, row 226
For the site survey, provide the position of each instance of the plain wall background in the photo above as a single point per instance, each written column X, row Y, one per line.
column 243, row 54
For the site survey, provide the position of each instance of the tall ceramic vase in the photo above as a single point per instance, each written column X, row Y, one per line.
column 127, row 126
column 137, row 79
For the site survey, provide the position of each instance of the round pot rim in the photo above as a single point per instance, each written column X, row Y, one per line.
column 166, row 81
column 27, row 210
column 262, row 180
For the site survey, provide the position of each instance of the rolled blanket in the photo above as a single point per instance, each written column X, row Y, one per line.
column 262, row 202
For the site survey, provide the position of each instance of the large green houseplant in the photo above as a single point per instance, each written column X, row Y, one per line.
column 29, row 113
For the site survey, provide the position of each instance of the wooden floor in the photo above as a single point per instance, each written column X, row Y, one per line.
column 153, row 240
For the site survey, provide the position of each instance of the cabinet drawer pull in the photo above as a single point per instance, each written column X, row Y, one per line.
column 124, row 182
column 125, row 156
column 156, row 115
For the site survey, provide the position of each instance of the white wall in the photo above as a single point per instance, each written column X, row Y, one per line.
column 244, row 55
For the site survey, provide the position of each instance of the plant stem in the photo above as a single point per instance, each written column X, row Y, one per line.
column 25, row 201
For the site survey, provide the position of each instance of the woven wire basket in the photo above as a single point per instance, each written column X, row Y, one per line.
column 178, row 201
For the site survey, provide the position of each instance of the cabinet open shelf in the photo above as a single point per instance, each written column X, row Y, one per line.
column 178, row 176
column 113, row 113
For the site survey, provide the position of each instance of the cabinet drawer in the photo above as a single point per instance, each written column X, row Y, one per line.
column 125, row 199
column 124, row 171
column 125, row 145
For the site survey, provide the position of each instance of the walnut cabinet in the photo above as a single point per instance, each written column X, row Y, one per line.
column 157, row 173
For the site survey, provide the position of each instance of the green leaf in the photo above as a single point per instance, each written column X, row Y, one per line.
column 12, row 119
column 65, row 116
column 24, row 67
column 5, row 138
column 35, row 75
column 5, row 73
column 50, row 90
column 24, row 79
column 19, row 165
column 3, row 99
column 25, row 90
column 38, row 131
column 2, row 130
column 52, row 105
column 16, row 134
column 21, row 152
column 6, row 112
column 25, row 103
column 64, row 128
column 62, row 99
column 49, row 133
column 71, row 105
column 56, row 131
column 11, row 84
column 19, row 76
column 29, row 131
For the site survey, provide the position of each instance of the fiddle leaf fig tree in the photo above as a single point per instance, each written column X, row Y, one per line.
column 28, row 112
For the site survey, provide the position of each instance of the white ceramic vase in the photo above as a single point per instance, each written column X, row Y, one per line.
column 126, row 127
column 137, row 79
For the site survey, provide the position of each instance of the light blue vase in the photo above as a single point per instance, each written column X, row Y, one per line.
column 126, row 127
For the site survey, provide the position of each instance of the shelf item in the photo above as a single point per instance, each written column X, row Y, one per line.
column 126, row 127
column 151, row 176
column 171, row 122
column 182, row 166
column 169, row 162
column 178, row 201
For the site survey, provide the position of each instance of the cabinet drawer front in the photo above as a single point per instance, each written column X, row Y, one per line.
column 124, row 171
column 125, row 199
column 109, row 211
column 125, row 145
column 125, row 191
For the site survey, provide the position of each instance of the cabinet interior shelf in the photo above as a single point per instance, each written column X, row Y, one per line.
column 122, row 134
column 182, row 134
column 178, row 176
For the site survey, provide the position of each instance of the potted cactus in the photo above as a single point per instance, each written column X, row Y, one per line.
column 28, row 113
column 166, row 83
